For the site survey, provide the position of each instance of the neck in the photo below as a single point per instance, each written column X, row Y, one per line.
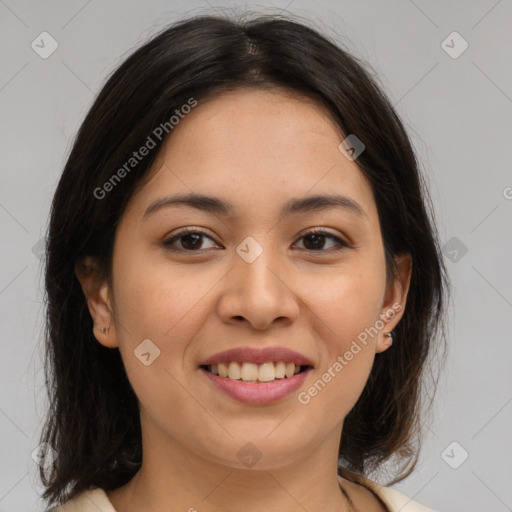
column 173, row 476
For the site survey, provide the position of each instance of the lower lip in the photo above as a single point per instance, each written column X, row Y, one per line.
column 254, row 393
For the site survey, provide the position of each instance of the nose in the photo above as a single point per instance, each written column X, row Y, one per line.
column 259, row 293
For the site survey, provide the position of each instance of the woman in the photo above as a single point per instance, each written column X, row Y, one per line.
column 244, row 282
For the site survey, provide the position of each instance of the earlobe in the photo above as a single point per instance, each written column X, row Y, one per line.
column 384, row 341
column 96, row 292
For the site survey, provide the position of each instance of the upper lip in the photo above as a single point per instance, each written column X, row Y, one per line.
column 258, row 355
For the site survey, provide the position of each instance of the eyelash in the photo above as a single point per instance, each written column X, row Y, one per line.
column 194, row 231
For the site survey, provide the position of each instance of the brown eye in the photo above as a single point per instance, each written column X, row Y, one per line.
column 190, row 240
column 316, row 240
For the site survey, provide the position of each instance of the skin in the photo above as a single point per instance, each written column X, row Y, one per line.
column 256, row 149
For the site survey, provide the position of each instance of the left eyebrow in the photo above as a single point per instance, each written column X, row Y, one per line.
column 322, row 202
column 292, row 207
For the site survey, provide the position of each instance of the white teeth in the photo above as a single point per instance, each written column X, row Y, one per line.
column 234, row 371
column 266, row 372
column 280, row 369
column 223, row 371
column 249, row 372
column 252, row 372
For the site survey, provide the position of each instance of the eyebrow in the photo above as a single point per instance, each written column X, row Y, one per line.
column 218, row 206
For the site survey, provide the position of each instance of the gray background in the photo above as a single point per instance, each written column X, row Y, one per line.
column 458, row 112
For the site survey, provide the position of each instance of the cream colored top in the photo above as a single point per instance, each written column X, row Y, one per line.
column 96, row 500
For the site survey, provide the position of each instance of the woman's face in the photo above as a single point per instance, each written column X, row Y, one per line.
column 253, row 278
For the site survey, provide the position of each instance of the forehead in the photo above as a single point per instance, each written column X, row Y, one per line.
column 256, row 148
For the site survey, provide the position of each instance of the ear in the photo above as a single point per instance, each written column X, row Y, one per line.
column 395, row 299
column 97, row 294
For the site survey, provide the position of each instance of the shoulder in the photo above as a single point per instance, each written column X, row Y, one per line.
column 394, row 500
column 92, row 500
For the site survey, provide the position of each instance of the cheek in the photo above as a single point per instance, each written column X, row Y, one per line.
column 151, row 304
column 157, row 301
column 346, row 302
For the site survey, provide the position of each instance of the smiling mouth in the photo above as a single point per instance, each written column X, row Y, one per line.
column 256, row 373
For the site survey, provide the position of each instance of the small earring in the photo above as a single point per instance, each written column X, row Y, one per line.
column 390, row 337
column 105, row 330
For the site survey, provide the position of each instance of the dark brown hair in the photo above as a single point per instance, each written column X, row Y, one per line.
column 93, row 420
